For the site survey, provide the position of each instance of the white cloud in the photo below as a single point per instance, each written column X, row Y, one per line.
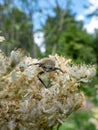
column 93, row 6
column 39, row 40
column 80, row 17
column 92, row 25
column 94, row 2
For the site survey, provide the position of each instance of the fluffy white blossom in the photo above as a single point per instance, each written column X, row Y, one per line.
column 26, row 104
column 2, row 38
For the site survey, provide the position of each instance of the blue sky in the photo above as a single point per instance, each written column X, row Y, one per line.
column 47, row 9
column 77, row 7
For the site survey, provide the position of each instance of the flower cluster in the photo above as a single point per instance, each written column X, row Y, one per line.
column 26, row 104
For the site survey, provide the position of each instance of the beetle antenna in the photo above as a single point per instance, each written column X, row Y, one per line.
column 34, row 64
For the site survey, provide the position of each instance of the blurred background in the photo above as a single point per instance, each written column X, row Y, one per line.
column 66, row 27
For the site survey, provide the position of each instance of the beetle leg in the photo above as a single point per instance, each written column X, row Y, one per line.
column 59, row 69
column 40, row 73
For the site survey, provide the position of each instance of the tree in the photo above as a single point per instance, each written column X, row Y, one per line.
column 65, row 36
column 17, row 27
column 96, row 47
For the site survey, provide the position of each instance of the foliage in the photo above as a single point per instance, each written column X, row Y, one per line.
column 79, row 121
column 17, row 28
column 65, row 36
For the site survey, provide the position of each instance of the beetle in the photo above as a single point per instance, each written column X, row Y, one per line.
column 48, row 65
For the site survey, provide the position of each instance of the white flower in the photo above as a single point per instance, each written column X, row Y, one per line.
column 2, row 38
